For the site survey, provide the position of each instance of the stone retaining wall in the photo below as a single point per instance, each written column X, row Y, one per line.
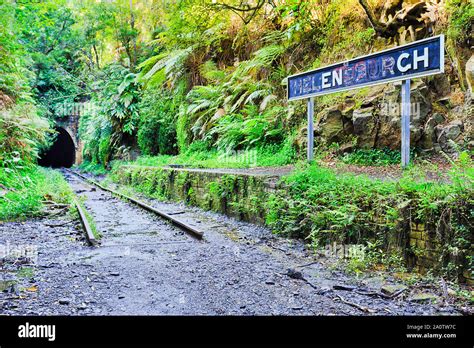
column 428, row 249
column 238, row 195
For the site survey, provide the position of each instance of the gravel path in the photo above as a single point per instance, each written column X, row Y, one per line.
column 145, row 266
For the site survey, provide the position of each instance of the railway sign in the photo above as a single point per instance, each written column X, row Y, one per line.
column 420, row 58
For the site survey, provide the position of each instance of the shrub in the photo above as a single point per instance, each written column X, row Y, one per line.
column 372, row 157
column 22, row 134
column 24, row 191
column 157, row 128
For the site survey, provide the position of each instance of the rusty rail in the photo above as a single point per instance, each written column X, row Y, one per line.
column 85, row 224
column 187, row 228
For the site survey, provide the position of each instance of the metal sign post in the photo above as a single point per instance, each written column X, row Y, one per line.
column 417, row 59
column 310, row 129
column 405, row 123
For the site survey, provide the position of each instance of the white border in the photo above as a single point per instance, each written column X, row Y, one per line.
column 392, row 79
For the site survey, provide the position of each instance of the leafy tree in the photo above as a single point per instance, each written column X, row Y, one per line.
column 14, row 77
column 157, row 129
column 114, row 120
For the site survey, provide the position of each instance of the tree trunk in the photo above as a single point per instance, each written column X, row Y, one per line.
column 96, row 56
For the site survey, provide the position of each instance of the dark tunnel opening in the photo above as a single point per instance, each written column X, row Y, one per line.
column 61, row 154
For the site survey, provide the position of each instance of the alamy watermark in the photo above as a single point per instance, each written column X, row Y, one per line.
column 344, row 251
column 244, row 157
column 28, row 330
column 69, row 109
column 19, row 251
column 395, row 109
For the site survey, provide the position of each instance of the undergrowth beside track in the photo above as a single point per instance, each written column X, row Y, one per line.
column 23, row 191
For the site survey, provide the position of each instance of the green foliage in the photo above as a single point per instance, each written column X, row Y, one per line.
column 158, row 117
column 263, row 58
column 200, row 155
column 249, row 129
column 93, row 127
column 14, row 76
column 165, row 75
column 48, row 34
column 171, row 66
column 372, row 255
column 26, row 272
column 277, row 155
column 338, row 209
column 347, row 209
column 22, row 133
column 182, row 129
column 94, row 168
column 120, row 95
column 211, row 72
column 104, row 150
column 228, row 114
column 372, row 157
column 461, row 20
column 23, row 191
column 115, row 117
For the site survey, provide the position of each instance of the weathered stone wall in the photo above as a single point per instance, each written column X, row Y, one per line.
column 428, row 251
column 240, row 196
column 245, row 197
column 71, row 125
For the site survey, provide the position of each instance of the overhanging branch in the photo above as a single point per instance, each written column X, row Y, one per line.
column 408, row 16
column 244, row 10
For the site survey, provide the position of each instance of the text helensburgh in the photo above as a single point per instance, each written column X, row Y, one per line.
column 420, row 58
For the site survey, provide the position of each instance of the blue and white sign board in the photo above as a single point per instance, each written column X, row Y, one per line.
column 420, row 58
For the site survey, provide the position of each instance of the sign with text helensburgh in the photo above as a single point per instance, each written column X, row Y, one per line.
column 420, row 58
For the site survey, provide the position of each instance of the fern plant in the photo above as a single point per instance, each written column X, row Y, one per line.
column 22, row 134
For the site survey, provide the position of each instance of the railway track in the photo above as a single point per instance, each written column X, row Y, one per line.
column 194, row 232
column 85, row 224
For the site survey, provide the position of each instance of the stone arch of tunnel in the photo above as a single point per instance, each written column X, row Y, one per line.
column 62, row 152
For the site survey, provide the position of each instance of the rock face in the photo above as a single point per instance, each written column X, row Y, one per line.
column 364, row 122
column 374, row 122
column 446, row 135
column 330, row 125
column 429, row 134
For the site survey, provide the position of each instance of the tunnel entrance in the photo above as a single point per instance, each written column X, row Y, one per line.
column 61, row 154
